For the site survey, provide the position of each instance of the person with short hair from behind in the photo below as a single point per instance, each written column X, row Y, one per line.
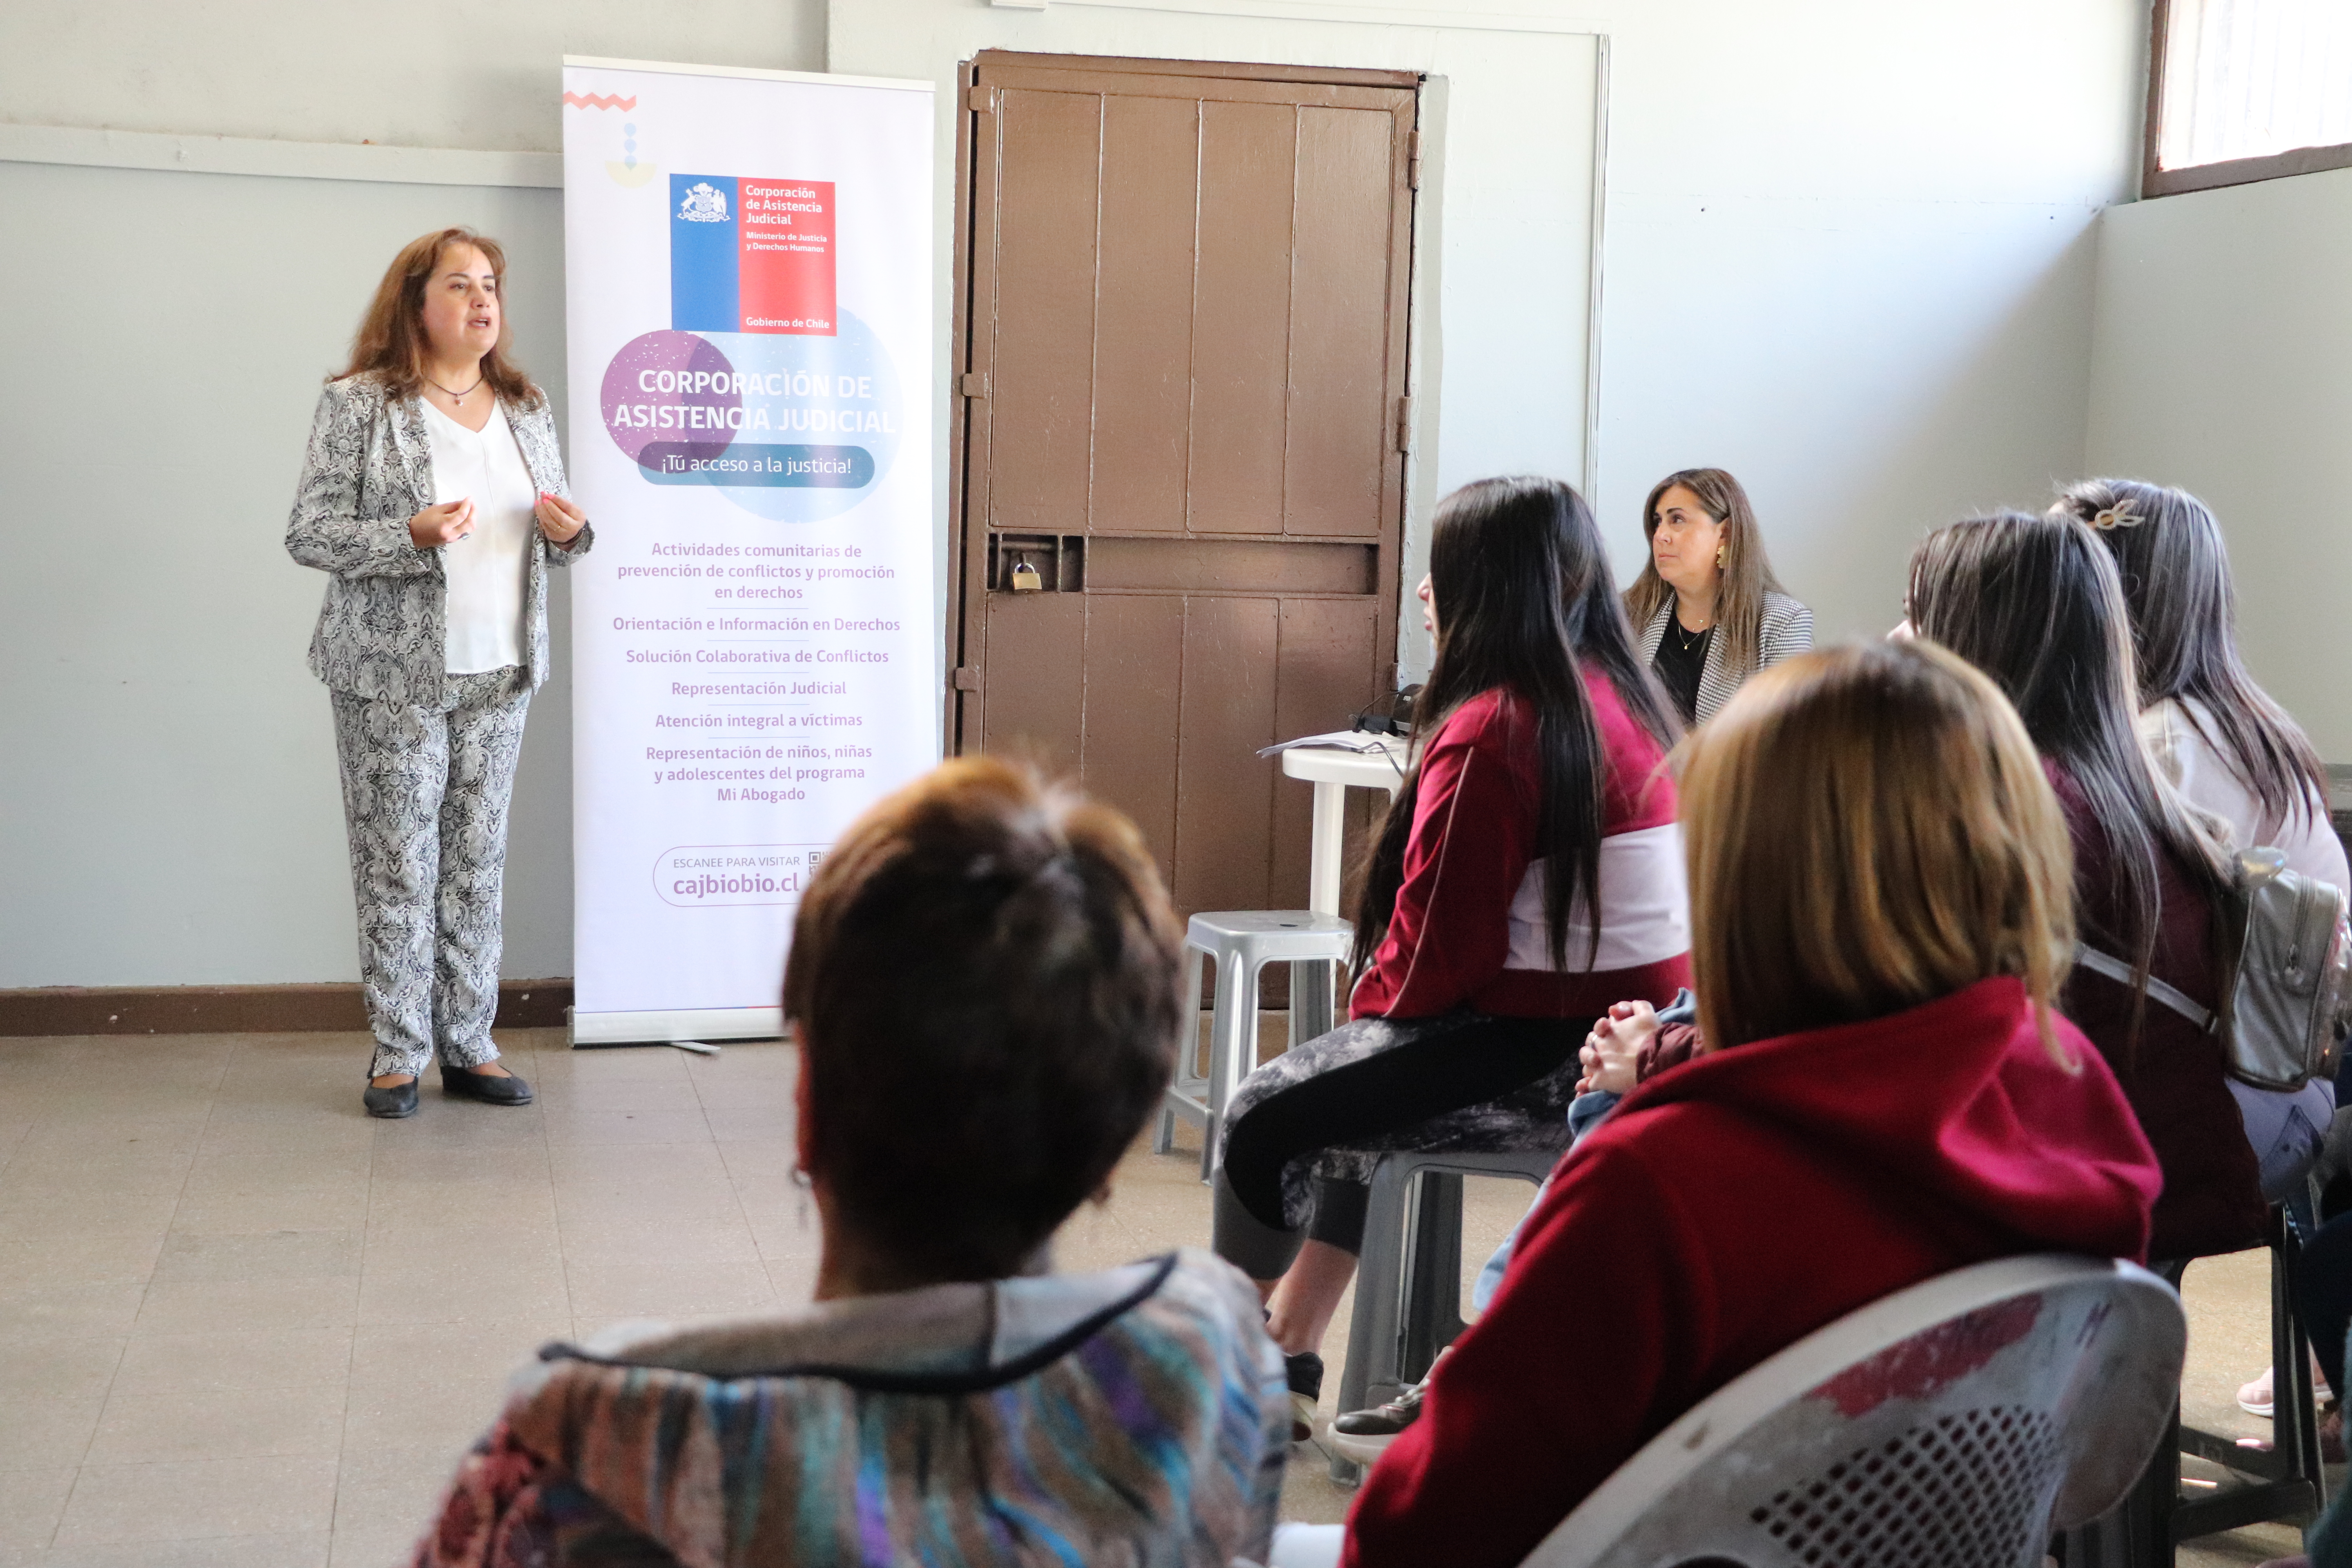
column 1706, row 607
column 984, row 986
column 1880, row 899
column 1529, row 874
column 2036, row 603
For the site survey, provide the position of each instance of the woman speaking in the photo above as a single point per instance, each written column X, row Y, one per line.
column 1709, row 612
column 431, row 496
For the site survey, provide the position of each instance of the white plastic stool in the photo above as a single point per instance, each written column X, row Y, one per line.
column 1242, row 943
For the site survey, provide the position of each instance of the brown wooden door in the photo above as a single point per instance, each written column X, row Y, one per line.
column 1183, row 303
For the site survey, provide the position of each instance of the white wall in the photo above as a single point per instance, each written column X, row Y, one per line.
column 168, row 806
column 1849, row 258
column 425, row 73
column 1846, row 256
column 2223, row 364
column 1847, row 250
column 1504, row 227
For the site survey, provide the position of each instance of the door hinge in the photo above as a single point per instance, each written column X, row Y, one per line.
column 1412, row 161
column 967, row 678
column 980, row 99
column 1404, row 425
column 975, row 383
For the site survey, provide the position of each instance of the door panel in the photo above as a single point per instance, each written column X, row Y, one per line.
column 1135, row 664
column 1183, row 295
column 1241, row 317
column 1224, row 792
column 1143, row 346
column 1239, row 564
column 1040, row 380
column 1338, row 425
column 1037, row 642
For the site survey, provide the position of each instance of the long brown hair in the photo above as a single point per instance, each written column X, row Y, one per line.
column 2036, row 603
column 1524, row 597
column 2184, row 614
column 1747, row 568
column 1868, row 830
column 391, row 344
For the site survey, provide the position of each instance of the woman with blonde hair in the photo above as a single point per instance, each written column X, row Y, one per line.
column 1880, row 897
column 1707, row 606
column 433, row 497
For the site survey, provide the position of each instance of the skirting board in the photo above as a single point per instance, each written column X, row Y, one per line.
column 329, row 1008
column 590, row 1029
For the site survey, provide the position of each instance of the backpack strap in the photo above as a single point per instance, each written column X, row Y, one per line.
column 2116, row 970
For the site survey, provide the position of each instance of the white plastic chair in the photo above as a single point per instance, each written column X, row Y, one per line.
column 1954, row 1424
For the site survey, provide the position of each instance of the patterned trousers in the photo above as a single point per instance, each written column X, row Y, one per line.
column 426, row 792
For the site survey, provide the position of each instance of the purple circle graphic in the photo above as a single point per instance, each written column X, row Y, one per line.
column 675, row 389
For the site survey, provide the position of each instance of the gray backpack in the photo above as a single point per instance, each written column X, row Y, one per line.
column 2293, row 1001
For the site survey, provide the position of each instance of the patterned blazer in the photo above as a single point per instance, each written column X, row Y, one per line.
column 1787, row 629
column 368, row 470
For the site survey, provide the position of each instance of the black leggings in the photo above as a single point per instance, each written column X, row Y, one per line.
column 1464, row 1080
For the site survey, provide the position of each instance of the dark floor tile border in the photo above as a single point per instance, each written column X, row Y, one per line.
column 238, row 1009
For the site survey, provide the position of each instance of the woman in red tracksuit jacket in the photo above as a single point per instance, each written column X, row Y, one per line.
column 1529, row 874
column 1881, row 915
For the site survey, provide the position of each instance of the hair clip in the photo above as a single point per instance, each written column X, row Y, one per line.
column 2119, row 515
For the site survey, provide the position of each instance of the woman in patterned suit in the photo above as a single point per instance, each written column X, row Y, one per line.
column 432, row 495
column 1709, row 611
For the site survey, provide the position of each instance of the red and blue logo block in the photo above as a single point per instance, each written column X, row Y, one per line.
column 751, row 255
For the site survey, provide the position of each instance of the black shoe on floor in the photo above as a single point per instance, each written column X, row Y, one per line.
column 1304, row 1372
column 398, row 1100
column 1361, row 1434
column 489, row 1091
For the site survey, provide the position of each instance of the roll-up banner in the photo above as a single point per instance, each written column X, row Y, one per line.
column 748, row 260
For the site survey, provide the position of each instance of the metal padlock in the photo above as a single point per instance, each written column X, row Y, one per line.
column 1024, row 577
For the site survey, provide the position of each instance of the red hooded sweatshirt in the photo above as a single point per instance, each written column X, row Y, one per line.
column 1728, row 1208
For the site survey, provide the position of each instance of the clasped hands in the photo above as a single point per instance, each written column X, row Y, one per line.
column 454, row 520
column 1613, row 1051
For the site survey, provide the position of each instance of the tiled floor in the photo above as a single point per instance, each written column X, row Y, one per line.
column 243, row 1326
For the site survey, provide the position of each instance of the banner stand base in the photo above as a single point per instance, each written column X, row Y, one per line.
column 686, row 1026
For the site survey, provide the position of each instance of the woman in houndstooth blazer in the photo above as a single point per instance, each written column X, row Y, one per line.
column 432, row 494
column 1708, row 609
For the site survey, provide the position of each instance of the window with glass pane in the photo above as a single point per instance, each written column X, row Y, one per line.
column 2253, row 79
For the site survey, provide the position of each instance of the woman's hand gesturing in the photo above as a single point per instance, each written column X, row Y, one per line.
column 1613, row 1051
column 559, row 519
column 442, row 524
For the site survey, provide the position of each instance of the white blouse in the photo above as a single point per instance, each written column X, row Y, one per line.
column 487, row 571
column 2210, row 781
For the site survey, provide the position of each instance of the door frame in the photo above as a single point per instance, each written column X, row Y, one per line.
column 1405, row 298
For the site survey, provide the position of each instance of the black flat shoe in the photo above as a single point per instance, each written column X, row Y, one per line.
column 398, row 1100
column 471, row 1085
column 1305, row 1373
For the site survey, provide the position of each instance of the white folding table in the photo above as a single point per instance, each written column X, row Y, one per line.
column 1333, row 772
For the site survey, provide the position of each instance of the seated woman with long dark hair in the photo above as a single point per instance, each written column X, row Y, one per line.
column 2035, row 602
column 1880, row 922
column 948, row 1399
column 1529, row 875
column 2237, row 756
